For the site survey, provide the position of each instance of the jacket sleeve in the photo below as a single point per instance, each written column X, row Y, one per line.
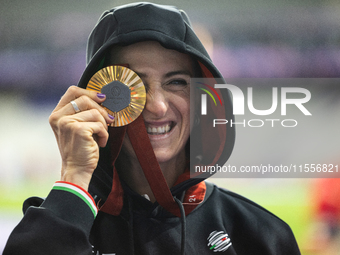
column 60, row 225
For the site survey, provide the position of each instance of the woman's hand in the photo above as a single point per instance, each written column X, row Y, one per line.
column 80, row 134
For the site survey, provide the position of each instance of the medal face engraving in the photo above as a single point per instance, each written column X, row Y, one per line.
column 117, row 96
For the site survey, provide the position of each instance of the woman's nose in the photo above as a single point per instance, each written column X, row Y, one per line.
column 156, row 103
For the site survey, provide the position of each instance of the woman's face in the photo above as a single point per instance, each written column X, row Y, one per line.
column 166, row 75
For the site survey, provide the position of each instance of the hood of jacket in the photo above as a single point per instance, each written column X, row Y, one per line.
column 170, row 27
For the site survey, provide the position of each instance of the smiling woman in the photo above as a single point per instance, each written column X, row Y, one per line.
column 166, row 75
column 134, row 195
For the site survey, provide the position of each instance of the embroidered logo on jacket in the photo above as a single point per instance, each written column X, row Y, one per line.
column 219, row 241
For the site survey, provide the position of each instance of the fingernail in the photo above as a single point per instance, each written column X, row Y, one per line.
column 111, row 117
column 100, row 95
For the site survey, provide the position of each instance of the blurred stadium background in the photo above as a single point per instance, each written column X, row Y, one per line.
column 42, row 52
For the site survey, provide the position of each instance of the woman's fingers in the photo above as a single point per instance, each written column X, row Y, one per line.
column 83, row 100
column 90, row 116
column 74, row 92
column 76, row 124
column 85, row 103
column 99, row 132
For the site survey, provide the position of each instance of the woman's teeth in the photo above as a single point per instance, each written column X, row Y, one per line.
column 158, row 130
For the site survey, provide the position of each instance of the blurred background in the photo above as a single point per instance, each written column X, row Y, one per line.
column 42, row 52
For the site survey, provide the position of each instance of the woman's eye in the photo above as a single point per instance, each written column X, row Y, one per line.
column 177, row 85
column 178, row 82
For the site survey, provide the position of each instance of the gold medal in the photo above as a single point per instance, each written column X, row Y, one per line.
column 124, row 90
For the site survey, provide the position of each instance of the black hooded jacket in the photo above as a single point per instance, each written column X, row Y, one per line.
column 223, row 222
